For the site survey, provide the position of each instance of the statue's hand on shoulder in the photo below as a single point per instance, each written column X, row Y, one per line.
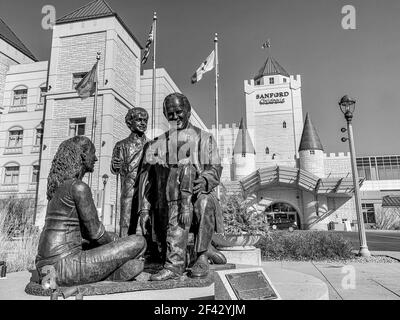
column 200, row 185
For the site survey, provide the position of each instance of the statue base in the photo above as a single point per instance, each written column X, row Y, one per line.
column 141, row 283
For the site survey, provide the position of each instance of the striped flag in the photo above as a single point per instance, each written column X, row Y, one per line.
column 206, row 66
column 148, row 44
column 266, row 44
column 87, row 86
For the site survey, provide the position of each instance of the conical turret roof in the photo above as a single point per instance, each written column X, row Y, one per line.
column 243, row 142
column 271, row 67
column 310, row 139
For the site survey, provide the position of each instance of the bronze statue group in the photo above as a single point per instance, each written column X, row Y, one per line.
column 168, row 190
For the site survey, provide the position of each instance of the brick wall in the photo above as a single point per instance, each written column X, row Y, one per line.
column 337, row 165
column 125, row 72
column 78, row 54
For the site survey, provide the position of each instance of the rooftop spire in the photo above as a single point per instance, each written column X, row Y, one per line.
column 243, row 142
column 309, row 138
column 271, row 66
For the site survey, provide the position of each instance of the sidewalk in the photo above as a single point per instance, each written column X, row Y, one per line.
column 357, row 281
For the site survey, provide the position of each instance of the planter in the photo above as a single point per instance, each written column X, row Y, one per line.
column 245, row 240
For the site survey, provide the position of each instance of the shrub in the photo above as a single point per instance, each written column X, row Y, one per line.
column 304, row 245
column 239, row 217
column 19, row 238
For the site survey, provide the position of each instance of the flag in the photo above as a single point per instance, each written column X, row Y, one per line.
column 206, row 66
column 87, row 86
column 266, row 44
column 148, row 44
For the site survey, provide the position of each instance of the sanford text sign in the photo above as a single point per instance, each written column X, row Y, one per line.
column 273, row 97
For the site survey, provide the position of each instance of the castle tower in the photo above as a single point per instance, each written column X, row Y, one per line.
column 77, row 37
column 274, row 114
column 311, row 151
column 243, row 154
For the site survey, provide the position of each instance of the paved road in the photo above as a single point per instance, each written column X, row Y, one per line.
column 376, row 240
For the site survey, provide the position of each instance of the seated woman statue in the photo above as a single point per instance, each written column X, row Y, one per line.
column 72, row 216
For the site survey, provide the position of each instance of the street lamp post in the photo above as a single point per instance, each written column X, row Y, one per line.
column 347, row 106
column 105, row 179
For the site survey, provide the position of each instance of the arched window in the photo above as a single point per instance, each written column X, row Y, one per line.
column 20, row 96
column 35, row 173
column 15, row 137
column 38, row 135
column 284, row 124
column 11, row 173
column 266, row 150
column 42, row 91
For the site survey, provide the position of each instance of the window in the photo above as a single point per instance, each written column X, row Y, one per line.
column 35, row 173
column 284, row 124
column 77, row 77
column 43, row 90
column 77, row 127
column 11, row 174
column 15, row 138
column 284, row 80
column 368, row 211
column 312, row 151
column 379, row 168
column 266, row 150
column 271, row 80
column 38, row 136
column 20, row 97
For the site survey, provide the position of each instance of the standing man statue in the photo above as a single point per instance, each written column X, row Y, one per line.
column 125, row 162
column 180, row 171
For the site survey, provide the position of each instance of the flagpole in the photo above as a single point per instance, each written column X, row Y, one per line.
column 216, row 96
column 94, row 120
column 153, row 100
column 216, row 88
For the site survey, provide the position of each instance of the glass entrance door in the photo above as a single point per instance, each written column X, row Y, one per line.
column 282, row 215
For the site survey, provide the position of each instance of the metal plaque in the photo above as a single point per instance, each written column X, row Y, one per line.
column 251, row 286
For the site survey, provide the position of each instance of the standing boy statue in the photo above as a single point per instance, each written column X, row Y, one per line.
column 125, row 162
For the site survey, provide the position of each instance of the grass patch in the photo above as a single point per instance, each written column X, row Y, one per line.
column 304, row 245
column 19, row 238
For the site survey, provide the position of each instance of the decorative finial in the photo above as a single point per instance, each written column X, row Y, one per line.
column 155, row 16
column 216, row 37
column 98, row 55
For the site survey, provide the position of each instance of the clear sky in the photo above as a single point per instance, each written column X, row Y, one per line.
column 307, row 38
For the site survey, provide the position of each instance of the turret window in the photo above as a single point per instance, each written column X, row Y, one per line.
column 284, row 124
column 312, row 151
column 266, row 150
column 271, row 80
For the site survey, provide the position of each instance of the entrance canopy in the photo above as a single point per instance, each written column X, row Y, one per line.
column 298, row 178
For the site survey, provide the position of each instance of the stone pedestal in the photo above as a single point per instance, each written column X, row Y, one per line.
column 249, row 255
